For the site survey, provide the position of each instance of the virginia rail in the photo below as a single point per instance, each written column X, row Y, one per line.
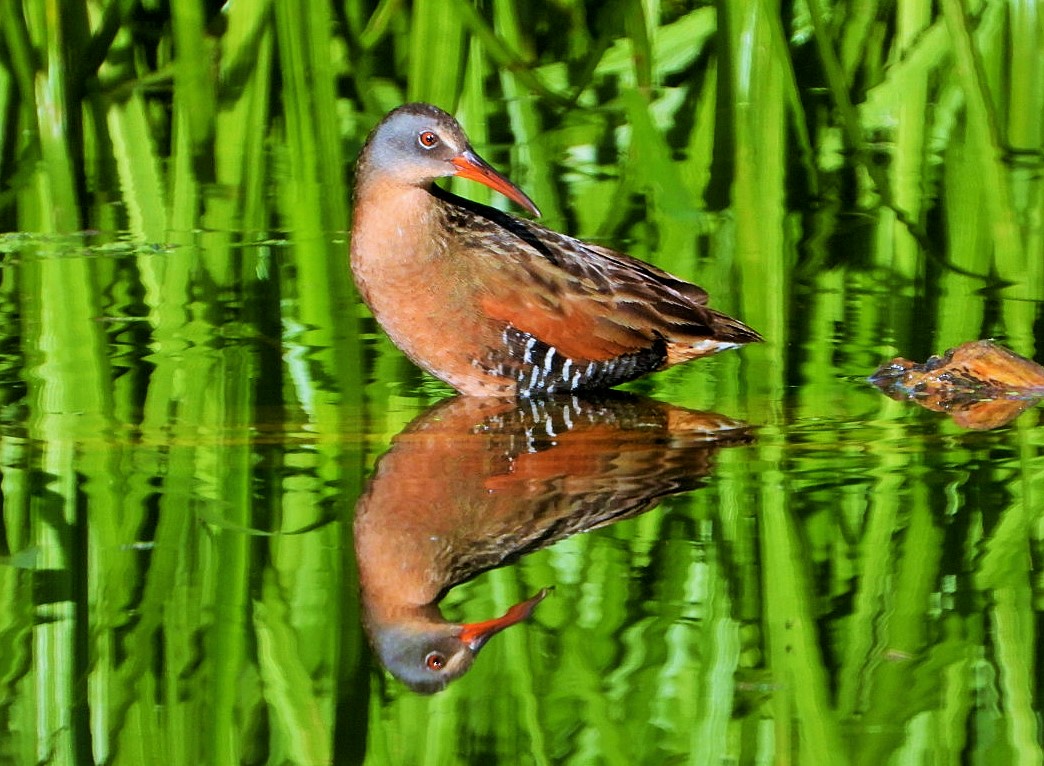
column 500, row 306
column 474, row 483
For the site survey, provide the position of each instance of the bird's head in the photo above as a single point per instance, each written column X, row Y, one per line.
column 417, row 143
column 426, row 656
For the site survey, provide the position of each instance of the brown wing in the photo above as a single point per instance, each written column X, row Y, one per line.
column 589, row 302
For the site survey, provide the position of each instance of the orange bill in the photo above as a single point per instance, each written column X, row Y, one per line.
column 475, row 634
column 471, row 166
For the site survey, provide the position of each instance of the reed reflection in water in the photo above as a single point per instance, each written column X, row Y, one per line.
column 472, row 484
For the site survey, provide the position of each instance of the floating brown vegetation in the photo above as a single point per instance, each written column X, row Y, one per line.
column 979, row 384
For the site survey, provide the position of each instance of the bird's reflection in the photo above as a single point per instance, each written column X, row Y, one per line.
column 474, row 483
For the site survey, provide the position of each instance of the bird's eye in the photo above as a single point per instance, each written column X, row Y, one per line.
column 435, row 661
column 428, row 139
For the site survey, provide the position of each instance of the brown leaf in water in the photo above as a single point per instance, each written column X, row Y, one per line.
column 980, row 384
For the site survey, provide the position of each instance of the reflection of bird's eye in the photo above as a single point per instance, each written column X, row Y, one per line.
column 435, row 661
column 428, row 139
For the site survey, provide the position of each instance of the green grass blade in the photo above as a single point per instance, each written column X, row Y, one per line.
column 139, row 170
column 435, row 67
column 982, row 119
column 302, row 724
column 193, row 70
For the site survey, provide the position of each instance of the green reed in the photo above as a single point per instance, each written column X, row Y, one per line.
column 220, row 146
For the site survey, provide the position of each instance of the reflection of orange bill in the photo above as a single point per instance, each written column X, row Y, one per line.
column 475, row 634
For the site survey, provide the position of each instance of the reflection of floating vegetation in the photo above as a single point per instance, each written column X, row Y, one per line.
column 980, row 384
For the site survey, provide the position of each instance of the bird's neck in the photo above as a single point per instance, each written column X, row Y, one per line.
column 386, row 207
column 380, row 616
column 394, row 232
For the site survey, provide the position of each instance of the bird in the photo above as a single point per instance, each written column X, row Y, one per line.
column 474, row 483
column 500, row 306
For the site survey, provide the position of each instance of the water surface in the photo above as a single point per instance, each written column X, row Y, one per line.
column 852, row 582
